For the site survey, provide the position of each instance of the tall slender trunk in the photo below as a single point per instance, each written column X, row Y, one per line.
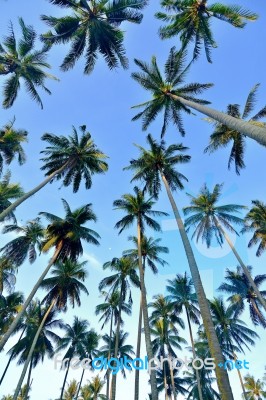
column 113, row 388
column 31, row 192
column 109, row 355
column 29, row 358
column 65, row 378
column 252, row 131
column 215, row 349
column 172, row 375
column 136, row 391
column 241, row 380
column 10, row 358
column 30, row 297
column 165, row 383
column 154, row 391
column 80, row 382
column 243, row 266
column 194, row 355
column 28, row 385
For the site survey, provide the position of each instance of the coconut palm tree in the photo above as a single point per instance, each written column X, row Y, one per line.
column 212, row 220
column 125, row 274
column 11, row 140
column 170, row 96
column 150, row 249
column 96, row 385
column 182, row 295
column 65, row 235
column 10, row 306
column 241, row 292
column 223, row 136
column 26, row 244
column 153, row 166
column 255, row 221
column 71, row 391
column 232, row 333
column 164, row 382
column 70, row 158
column 74, row 342
column 191, row 20
column 93, row 27
column 209, row 393
column 8, row 191
column 20, row 59
column 254, row 388
column 139, row 209
column 7, row 275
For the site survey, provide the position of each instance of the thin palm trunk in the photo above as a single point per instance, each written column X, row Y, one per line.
column 10, row 358
column 154, row 391
column 243, row 266
column 136, row 393
column 65, row 378
column 165, row 383
column 109, row 355
column 194, row 355
column 172, row 374
column 28, row 385
column 215, row 349
column 241, row 380
column 29, row 358
column 80, row 382
column 31, row 192
column 30, row 297
column 113, row 388
column 236, row 124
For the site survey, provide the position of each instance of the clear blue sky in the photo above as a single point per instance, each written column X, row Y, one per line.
column 102, row 101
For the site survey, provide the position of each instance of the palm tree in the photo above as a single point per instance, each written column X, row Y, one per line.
column 191, row 19
column 150, row 249
column 71, row 158
column 7, row 275
column 222, row 135
column 73, row 341
column 169, row 97
column 254, row 388
column 255, row 221
column 181, row 293
column 232, row 333
column 65, row 235
column 10, row 306
column 95, row 386
column 11, row 140
column 139, row 209
column 26, row 244
column 125, row 273
column 208, row 392
column 37, row 341
column 156, row 164
column 19, row 59
column 210, row 219
column 93, row 27
column 71, row 391
column 240, row 290
column 8, row 191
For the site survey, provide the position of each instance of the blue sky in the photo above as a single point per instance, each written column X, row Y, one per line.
column 102, row 101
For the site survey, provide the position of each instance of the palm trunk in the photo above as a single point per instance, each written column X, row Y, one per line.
column 109, row 355
column 165, row 383
column 236, row 124
column 241, row 380
column 80, row 382
column 28, row 381
column 172, row 375
column 243, row 266
column 215, row 349
column 154, row 391
column 194, row 356
column 31, row 192
column 113, row 389
column 65, row 378
column 29, row 358
column 30, row 297
column 136, row 392
column 10, row 358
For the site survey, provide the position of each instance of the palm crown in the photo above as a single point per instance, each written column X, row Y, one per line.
column 255, row 221
column 80, row 155
column 9, row 191
column 191, row 19
column 93, row 28
column 223, row 136
column 151, row 79
column 21, row 61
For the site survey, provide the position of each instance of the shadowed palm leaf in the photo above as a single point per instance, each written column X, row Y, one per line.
column 255, row 221
column 9, row 191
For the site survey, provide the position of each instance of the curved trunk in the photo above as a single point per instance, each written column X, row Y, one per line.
column 31, row 193
column 80, row 382
column 29, row 382
column 29, row 358
column 245, row 269
column 136, row 391
column 154, row 391
column 65, row 378
column 215, row 349
column 109, row 355
column 30, row 297
column 194, row 355
column 113, row 388
column 246, row 128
